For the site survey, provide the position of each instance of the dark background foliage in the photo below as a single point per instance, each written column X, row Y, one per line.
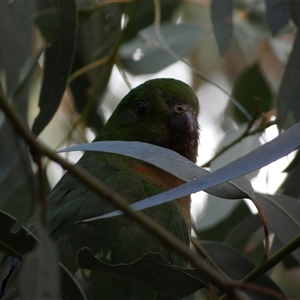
column 64, row 65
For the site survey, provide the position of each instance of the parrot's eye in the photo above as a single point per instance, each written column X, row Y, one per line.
column 141, row 108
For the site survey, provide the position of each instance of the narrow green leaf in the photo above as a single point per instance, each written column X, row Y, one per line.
column 58, row 62
column 177, row 282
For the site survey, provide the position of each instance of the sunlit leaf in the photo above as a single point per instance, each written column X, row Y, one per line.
column 169, row 161
column 177, row 282
column 264, row 155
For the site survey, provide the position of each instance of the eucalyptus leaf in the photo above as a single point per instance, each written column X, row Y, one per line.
column 58, row 62
column 169, row 161
column 145, row 54
column 282, row 145
column 221, row 16
column 14, row 244
column 283, row 217
column 236, row 266
column 277, row 14
column 289, row 88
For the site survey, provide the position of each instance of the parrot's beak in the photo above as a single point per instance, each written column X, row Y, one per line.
column 184, row 127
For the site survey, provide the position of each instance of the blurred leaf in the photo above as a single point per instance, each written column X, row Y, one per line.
column 177, row 282
column 222, row 224
column 243, row 229
column 277, row 14
column 169, row 161
column 252, row 90
column 145, row 54
column 39, row 276
column 16, row 38
column 296, row 107
column 48, row 23
column 145, row 15
column 26, row 72
column 17, row 202
column 58, row 61
column 236, row 265
column 282, row 145
column 221, row 16
column 294, row 6
column 97, row 40
column 290, row 185
column 289, row 88
column 14, row 244
column 283, row 217
column 17, row 244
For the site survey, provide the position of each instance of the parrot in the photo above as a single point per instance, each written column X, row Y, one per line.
column 163, row 112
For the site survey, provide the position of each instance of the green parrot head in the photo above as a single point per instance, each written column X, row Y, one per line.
column 162, row 112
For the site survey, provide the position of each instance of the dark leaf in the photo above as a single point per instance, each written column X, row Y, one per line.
column 252, row 90
column 48, row 22
column 290, row 185
column 277, row 14
column 283, row 217
column 221, row 16
column 236, row 266
column 145, row 54
column 26, row 72
column 17, row 244
column 14, row 244
column 222, row 226
column 243, row 229
column 294, row 6
column 58, row 61
column 289, row 88
column 16, row 40
column 17, row 202
column 151, row 270
column 296, row 107
column 145, row 15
